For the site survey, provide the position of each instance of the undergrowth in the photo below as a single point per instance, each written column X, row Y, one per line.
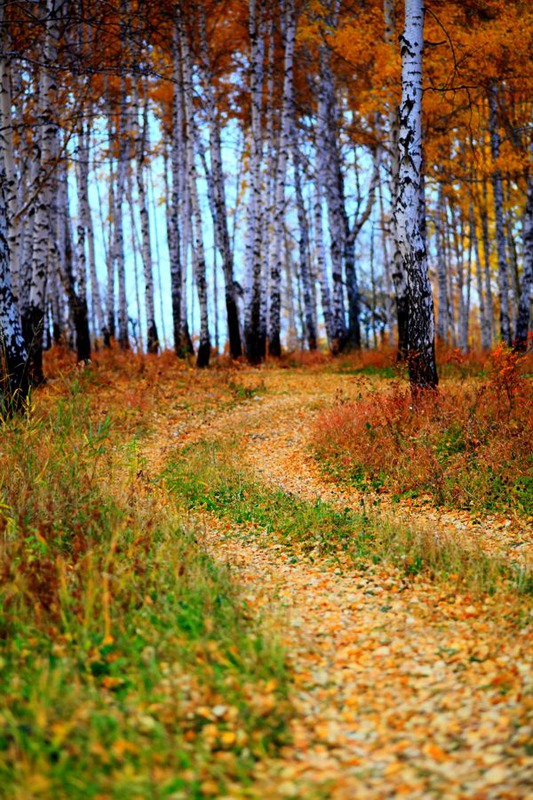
column 129, row 664
column 467, row 446
column 207, row 476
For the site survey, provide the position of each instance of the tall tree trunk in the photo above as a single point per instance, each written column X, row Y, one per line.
column 287, row 125
column 141, row 144
column 204, row 346
column 410, row 226
column 497, row 189
column 514, row 297
column 350, row 237
column 321, row 265
column 484, row 210
column 272, row 129
column 398, row 274
column 389, row 308
column 252, row 324
column 7, row 158
column 44, row 250
column 177, row 251
column 14, row 381
column 119, row 257
column 303, row 248
column 23, row 286
column 72, row 266
column 440, row 219
column 219, row 198
column 457, row 227
column 110, row 327
column 524, row 308
column 484, row 321
column 85, row 224
column 329, row 178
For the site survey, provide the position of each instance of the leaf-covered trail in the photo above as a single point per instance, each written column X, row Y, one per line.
column 400, row 689
column 274, row 431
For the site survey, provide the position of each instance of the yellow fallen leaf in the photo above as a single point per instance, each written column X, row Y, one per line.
column 228, row 738
column 435, row 752
column 209, row 788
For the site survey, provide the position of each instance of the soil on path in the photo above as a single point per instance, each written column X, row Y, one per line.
column 401, row 690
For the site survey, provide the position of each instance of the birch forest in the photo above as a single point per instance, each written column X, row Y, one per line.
column 224, row 176
column 266, row 399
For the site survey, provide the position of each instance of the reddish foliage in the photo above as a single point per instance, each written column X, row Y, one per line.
column 468, row 445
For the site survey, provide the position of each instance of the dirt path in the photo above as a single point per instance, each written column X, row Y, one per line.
column 400, row 691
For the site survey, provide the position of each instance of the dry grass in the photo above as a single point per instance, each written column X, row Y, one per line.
column 469, row 445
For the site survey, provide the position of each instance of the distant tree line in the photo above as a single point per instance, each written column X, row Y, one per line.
column 304, row 231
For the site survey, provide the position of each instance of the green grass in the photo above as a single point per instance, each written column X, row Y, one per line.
column 207, row 476
column 130, row 667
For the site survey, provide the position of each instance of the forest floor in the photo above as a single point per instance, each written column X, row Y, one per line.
column 320, row 658
column 402, row 688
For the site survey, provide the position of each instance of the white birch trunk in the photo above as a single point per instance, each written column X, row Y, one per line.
column 141, row 145
column 497, row 188
column 443, row 316
column 486, row 262
column 389, row 300
column 287, row 123
column 44, row 234
column 398, row 274
column 457, row 227
column 7, row 159
column 219, row 201
column 410, row 226
column 484, row 321
column 321, row 265
column 110, row 327
column 176, row 237
column 13, row 355
column 118, row 218
column 271, row 149
column 26, row 243
column 71, row 268
column 303, row 246
column 351, row 234
column 514, row 296
column 204, row 347
column 524, row 307
column 86, row 221
column 328, row 178
column 253, row 251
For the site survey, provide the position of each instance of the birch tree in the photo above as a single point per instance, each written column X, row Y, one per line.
column 287, row 122
column 219, row 197
column 524, row 308
column 118, row 219
column 328, row 176
column 408, row 218
column 253, row 251
column 14, row 380
column 398, row 274
column 497, row 188
column 72, row 267
column 86, row 226
column 140, row 128
column 44, row 249
column 204, row 346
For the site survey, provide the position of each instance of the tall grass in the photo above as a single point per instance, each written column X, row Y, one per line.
column 468, row 446
column 129, row 665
